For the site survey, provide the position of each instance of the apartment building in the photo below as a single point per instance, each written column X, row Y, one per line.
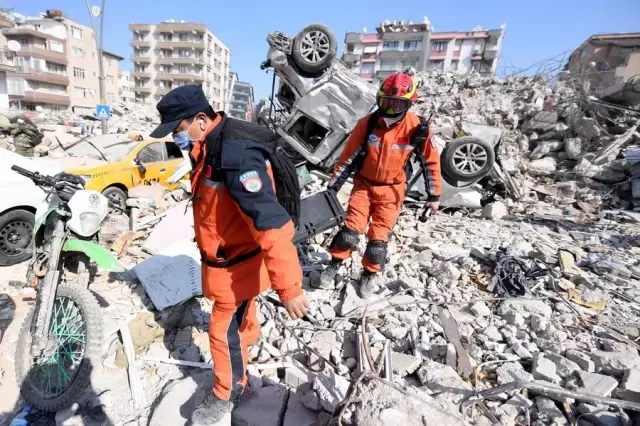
column 241, row 102
column 125, row 87
column 57, row 66
column 400, row 44
column 172, row 54
column 606, row 62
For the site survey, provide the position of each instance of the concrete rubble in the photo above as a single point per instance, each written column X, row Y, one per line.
column 576, row 328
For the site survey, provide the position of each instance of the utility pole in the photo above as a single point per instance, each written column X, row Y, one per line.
column 100, row 45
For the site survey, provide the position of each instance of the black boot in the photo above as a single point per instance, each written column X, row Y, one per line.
column 328, row 276
column 211, row 410
column 367, row 279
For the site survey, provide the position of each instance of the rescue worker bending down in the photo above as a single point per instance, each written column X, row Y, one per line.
column 378, row 151
column 243, row 233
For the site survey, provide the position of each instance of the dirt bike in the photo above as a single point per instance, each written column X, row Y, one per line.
column 61, row 337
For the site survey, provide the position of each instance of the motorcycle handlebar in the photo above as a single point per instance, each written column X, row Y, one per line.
column 23, row 172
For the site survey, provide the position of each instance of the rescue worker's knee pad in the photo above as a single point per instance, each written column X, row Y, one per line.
column 345, row 239
column 376, row 252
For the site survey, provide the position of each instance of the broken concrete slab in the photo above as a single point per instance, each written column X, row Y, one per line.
column 404, row 364
column 582, row 359
column 615, row 363
column 544, row 369
column 526, row 308
column 331, row 389
column 181, row 398
column 564, row 366
column 598, row 384
column 494, row 211
column 261, row 407
column 443, row 378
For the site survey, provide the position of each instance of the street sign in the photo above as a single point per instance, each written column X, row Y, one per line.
column 103, row 112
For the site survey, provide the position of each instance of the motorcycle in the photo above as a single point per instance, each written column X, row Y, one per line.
column 61, row 337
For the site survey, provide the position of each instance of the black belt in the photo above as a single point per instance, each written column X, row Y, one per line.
column 233, row 261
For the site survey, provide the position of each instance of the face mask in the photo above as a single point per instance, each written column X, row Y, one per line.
column 391, row 120
column 182, row 139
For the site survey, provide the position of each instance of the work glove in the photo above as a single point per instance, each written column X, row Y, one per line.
column 433, row 205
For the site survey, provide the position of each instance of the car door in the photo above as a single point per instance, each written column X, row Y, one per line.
column 152, row 166
column 174, row 159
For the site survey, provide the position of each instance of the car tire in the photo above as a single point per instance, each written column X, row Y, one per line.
column 467, row 159
column 16, row 232
column 116, row 195
column 306, row 54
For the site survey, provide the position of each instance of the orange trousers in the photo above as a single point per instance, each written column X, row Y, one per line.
column 233, row 326
column 379, row 204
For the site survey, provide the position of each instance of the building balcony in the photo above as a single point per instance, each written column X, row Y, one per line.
column 43, row 98
column 353, row 38
column 141, row 74
column 351, row 58
column 140, row 43
column 45, row 77
column 162, row 90
column 167, row 27
column 140, row 27
column 178, row 60
column 187, row 76
column 438, row 55
column 400, row 54
column 47, row 55
column 28, row 31
column 490, row 54
column 142, row 89
column 6, row 60
column 141, row 59
column 180, row 45
column 402, row 36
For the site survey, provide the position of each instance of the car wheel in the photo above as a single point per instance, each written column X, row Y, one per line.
column 16, row 232
column 314, row 48
column 467, row 158
column 116, row 195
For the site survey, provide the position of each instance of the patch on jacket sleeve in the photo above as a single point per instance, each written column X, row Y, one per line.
column 251, row 181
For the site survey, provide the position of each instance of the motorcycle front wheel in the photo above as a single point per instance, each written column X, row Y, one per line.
column 58, row 377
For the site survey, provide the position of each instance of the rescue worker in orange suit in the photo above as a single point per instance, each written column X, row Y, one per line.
column 244, row 236
column 380, row 179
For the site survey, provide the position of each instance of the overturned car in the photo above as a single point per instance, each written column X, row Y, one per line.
column 319, row 101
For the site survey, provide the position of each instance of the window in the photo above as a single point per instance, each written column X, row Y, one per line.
column 391, row 45
column 78, row 72
column 173, row 152
column 23, row 42
column 601, row 66
column 216, row 78
column 436, row 65
column 81, row 92
column 183, row 69
column 166, row 53
column 217, row 64
column 412, row 45
column 110, row 79
column 439, row 46
column 388, row 65
column 454, row 65
column 367, row 69
column 475, row 66
column 76, row 32
column 151, row 153
column 457, row 45
column 409, row 63
column 350, row 47
column 56, row 68
column 56, row 46
column 183, row 36
column 184, row 53
column 76, row 51
column 166, row 36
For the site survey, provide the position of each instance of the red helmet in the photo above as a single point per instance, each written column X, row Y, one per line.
column 397, row 93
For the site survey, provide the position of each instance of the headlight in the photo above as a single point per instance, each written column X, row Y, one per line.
column 89, row 222
column 85, row 178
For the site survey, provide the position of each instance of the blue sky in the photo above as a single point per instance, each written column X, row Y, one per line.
column 536, row 29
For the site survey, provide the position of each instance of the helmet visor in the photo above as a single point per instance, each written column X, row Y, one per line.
column 393, row 106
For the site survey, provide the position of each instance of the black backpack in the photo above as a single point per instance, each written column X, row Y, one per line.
column 284, row 171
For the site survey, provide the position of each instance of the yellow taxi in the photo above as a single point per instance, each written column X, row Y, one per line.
column 118, row 164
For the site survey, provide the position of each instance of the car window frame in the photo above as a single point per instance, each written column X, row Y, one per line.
column 162, row 150
column 166, row 150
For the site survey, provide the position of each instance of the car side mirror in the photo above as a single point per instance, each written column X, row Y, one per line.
column 140, row 165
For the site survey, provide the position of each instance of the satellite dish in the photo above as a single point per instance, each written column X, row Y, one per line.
column 38, row 108
column 14, row 45
column 96, row 11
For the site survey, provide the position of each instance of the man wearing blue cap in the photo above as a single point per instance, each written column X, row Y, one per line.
column 244, row 235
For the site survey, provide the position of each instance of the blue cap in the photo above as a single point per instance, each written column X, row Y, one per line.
column 180, row 103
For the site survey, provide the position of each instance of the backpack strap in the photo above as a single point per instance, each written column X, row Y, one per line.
column 418, row 139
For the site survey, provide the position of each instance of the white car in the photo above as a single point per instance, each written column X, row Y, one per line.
column 19, row 198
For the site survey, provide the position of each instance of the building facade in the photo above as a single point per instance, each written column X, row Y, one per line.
column 605, row 62
column 242, row 101
column 57, row 66
column 125, row 87
column 397, row 45
column 172, row 54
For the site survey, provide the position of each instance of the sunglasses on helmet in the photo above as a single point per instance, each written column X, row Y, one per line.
column 393, row 105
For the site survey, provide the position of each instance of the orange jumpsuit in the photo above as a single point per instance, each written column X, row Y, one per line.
column 245, row 239
column 379, row 185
